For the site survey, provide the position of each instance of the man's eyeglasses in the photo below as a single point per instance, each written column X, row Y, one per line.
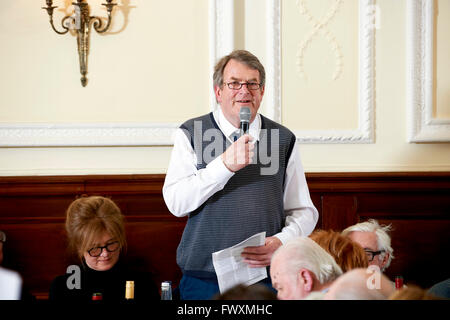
column 371, row 254
column 110, row 247
column 237, row 85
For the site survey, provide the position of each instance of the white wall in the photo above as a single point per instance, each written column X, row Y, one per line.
column 154, row 68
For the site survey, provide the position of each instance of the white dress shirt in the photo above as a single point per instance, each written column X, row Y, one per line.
column 186, row 188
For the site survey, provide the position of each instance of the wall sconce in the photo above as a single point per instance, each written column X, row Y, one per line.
column 81, row 22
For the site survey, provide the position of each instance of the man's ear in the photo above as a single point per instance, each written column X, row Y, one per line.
column 218, row 93
column 306, row 279
column 385, row 260
column 262, row 91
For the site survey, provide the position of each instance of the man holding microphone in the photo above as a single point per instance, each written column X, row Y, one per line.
column 228, row 194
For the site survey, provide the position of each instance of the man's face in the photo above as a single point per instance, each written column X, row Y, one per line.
column 231, row 100
column 368, row 240
column 288, row 286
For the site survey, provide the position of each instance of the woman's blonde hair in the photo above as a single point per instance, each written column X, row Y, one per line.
column 347, row 253
column 87, row 218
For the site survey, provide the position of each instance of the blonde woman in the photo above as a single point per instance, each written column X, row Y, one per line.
column 96, row 234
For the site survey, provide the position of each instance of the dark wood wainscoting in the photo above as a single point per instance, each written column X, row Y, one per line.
column 32, row 213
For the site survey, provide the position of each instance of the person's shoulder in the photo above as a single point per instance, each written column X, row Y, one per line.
column 60, row 279
column 58, row 287
column 270, row 124
column 129, row 268
column 190, row 122
column 137, row 275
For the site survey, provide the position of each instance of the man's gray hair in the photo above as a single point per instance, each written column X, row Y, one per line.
column 244, row 57
column 382, row 233
column 302, row 252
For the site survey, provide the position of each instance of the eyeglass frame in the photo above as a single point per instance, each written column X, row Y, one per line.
column 373, row 253
column 241, row 84
column 104, row 247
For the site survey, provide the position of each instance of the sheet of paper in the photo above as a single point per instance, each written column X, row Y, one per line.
column 232, row 270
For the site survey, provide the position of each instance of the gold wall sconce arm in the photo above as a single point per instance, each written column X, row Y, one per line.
column 81, row 22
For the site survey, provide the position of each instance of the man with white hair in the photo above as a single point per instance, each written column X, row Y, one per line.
column 375, row 240
column 300, row 267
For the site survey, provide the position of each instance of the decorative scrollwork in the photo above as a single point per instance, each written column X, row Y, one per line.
column 319, row 26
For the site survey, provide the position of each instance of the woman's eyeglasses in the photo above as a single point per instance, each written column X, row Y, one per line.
column 110, row 247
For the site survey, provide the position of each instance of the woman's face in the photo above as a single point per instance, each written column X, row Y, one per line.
column 103, row 254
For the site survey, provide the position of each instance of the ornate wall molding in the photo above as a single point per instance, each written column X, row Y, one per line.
column 422, row 126
column 366, row 127
column 80, row 134
column 319, row 27
column 221, row 36
column 272, row 94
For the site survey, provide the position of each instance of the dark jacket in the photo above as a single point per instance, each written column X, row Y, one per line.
column 110, row 283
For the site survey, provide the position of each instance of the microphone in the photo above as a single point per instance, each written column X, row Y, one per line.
column 244, row 116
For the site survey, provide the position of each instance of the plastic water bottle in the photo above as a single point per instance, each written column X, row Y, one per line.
column 166, row 290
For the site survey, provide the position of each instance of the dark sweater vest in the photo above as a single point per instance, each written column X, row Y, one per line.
column 251, row 201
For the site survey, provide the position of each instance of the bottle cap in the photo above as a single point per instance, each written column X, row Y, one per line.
column 165, row 284
column 97, row 296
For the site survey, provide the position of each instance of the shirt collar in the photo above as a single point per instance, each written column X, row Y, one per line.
column 227, row 128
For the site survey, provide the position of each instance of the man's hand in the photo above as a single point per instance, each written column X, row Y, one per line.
column 239, row 154
column 260, row 256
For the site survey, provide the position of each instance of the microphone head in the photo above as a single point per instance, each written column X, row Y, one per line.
column 245, row 114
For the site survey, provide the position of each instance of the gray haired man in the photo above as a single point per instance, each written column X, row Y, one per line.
column 375, row 240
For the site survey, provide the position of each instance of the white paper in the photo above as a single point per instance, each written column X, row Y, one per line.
column 10, row 285
column 230, row 268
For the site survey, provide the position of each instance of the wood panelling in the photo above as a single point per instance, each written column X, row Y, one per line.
column 32, row 213
column 338, row 211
